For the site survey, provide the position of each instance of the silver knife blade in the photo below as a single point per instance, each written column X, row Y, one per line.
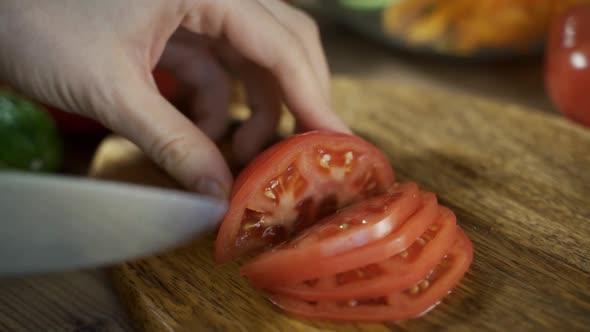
column 52, row 223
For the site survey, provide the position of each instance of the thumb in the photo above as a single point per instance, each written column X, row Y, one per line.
column 170, row 139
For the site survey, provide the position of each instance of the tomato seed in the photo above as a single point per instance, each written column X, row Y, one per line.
column 325, row 160
column 274, row 183
column 250, row 226
column 371, row 185
column 268, row 193
column 252, row 219
column 348, row 157
column 424, row 284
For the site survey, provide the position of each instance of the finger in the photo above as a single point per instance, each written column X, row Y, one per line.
column 306, row 30
column 260, row 38
column 168, row 137
column 209, row 91
column 264, row 100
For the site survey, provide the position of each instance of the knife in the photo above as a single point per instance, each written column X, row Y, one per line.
column 52, row 223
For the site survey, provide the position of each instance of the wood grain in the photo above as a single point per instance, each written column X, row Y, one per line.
column 518, row 180
column 60, row 302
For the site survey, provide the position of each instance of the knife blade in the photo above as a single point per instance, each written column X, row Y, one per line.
column 52, row 223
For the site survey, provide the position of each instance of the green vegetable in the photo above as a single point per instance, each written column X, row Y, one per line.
column 29, row 139
column 367, row 4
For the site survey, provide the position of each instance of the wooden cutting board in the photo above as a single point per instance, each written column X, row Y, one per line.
column 518, row 180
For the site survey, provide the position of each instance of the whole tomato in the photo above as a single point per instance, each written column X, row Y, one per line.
column 567, row 74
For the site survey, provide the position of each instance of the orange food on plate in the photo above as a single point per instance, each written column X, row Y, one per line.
column 464, row 26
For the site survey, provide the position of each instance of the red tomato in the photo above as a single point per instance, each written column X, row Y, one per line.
column 167, row 83
column 409, row 303
column 568, row 63
column 295, row 183
column 322, row 247
column 392, row 274
column 73, row 123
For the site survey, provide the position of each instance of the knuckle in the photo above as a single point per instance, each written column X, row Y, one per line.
column 171, row 151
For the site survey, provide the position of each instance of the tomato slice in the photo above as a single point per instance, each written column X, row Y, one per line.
column 295, row 183
column 397, row 241
column 410, row 303
column 350, row 228
column 394, row 274
column 337, row 256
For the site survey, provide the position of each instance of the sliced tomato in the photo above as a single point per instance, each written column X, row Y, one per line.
column 295, row 183
column 350, row 228
column 394, row 274
column 410, row 303
column 397, row 241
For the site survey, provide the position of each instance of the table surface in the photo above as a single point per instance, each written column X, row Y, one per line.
column 84, row 300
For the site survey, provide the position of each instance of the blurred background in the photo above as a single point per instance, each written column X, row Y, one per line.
column 492, row 48
column 513, row 51
column 530, row 53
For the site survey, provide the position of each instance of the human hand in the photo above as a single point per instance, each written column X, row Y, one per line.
column 96, row 58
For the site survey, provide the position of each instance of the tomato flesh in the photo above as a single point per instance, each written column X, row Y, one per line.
column 296, row 183
column 390, row 275
column 326, row 263
column 350, row 228
column 414, row 301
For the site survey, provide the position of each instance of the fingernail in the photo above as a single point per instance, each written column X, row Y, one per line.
column 211, row 187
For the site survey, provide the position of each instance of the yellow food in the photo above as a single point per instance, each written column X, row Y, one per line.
column 465, row 26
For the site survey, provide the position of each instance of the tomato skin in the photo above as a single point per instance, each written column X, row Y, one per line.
column 567, row 72
column 310, row 256
column 299, row 151
column 399, row 305
column 392, row 274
